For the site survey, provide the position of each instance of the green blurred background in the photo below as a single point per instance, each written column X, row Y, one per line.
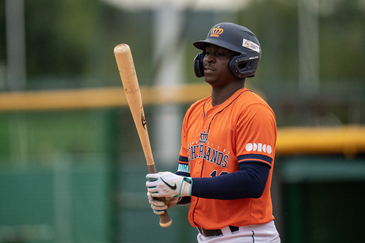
column 78, row 175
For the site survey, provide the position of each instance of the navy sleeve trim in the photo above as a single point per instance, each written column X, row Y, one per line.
column 183, row 159
column 254, row 157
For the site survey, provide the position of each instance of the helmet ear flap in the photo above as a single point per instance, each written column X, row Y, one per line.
column 241, row 66
column 198, row 65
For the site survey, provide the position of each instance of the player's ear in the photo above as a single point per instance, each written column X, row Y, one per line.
column 198, row 65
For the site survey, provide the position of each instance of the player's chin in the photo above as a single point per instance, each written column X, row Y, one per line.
column 214, row 83
column 209, row 79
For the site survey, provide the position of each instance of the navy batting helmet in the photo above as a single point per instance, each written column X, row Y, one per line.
column 236, row 38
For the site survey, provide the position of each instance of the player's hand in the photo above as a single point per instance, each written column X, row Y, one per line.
column 167, row 184
column 158, row 206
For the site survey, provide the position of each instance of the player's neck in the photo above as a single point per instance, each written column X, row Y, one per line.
column 221, row 94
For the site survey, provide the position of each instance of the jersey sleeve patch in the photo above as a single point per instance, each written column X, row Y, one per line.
column 255, row 157
column 183, row 168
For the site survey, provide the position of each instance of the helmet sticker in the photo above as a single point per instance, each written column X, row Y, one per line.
column 216, row 32
column 251, row 45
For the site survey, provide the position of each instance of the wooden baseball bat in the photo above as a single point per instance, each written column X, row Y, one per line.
column 127, row 71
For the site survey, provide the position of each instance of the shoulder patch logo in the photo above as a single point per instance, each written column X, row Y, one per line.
column 259, row 147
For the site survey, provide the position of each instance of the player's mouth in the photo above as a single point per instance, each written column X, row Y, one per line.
column 208, row 70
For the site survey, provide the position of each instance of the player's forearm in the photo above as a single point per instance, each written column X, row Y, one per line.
column 249, row 182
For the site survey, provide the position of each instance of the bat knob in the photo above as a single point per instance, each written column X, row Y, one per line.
column 167, row 224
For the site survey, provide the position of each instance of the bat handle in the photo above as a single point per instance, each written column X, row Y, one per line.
column 165, row 220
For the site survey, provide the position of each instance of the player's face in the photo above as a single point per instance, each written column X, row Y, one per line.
column 216, row 70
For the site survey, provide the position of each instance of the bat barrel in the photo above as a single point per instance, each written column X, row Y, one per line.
column 128, row 75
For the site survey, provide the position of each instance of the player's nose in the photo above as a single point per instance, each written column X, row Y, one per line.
column 209, row 57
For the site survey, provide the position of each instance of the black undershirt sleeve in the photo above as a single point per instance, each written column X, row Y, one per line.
column 248, row 182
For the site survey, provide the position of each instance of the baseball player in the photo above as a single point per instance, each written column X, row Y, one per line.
column 227, row 147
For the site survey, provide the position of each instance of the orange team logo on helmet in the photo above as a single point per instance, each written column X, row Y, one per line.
column 216, row 32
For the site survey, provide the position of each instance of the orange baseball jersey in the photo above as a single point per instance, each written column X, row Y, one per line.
column 214, row 141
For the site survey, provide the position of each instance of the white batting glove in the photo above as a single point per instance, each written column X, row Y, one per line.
column 158, row 206
column 167, row 184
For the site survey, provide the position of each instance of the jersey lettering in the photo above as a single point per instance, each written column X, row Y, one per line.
column 193, row 152
column 208, row 153
column 201, row 151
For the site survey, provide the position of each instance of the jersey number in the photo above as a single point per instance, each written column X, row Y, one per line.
column 214, row 173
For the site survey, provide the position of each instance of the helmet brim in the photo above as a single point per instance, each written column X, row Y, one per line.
column 201, row 44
